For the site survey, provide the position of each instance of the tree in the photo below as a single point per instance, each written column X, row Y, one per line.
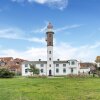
column 33, row 69
column 5, row 73
column 96, row 71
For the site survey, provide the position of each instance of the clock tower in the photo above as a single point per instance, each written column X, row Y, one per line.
column 49, row 40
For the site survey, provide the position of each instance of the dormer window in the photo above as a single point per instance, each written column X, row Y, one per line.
column 73, row 63
column 64, row 65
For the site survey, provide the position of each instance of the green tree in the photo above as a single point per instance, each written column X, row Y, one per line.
column 33, row 69
column 5, row 73
column 96, row 71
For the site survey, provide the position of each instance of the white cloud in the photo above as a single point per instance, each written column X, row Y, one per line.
column 67, row 27
column 18, row 1
column 38, row 40
column 40, row 30
column 62, row 51
column 43, row 29
column 15, row 33
column 39, row 1
column 85, row 52
column 96, row 45
column 11, row 33
column 30, row 54
column 59, row 4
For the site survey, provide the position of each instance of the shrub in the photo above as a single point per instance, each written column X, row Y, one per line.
column 77, row 76
column 37, row 76
column 5, row 73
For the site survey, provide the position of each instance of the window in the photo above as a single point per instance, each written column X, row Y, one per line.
column 49, row 65
column 64, row 70
column 57, row 70
column 41, row 70
column 42, row 65
column 73, row 63
column 71, row 70
column 49, row 52
column 26, row 65
column 64, row 65
column 57, row 65
column 49, row 58
column 26, row 70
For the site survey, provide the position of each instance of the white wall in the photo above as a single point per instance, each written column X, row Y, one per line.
column 50, row 62
column 44, row 68
column 98, row 64
column 85, row 70
column 23, row 70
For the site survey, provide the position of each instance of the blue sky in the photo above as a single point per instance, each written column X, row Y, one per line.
column 76, row 25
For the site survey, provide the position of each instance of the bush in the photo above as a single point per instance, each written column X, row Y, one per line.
column 37, row 76
column 77, row 76
column 5, row 73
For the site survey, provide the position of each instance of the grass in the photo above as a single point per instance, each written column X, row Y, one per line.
column 50, row 89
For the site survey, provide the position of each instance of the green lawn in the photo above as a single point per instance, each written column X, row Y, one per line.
column 50, row 89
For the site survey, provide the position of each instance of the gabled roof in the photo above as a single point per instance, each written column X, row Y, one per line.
column 87, row 65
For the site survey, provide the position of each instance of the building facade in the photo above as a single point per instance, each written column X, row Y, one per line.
column 50, row 67
column 59, row 68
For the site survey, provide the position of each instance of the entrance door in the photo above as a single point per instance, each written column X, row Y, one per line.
column 50, row 73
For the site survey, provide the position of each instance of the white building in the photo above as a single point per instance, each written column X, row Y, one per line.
column 50, row 67
column 59, row 67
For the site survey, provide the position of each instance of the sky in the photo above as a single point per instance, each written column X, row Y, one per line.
column 76, row 25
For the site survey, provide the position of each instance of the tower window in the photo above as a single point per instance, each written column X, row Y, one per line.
column 49, row 65
column 50, row 59
column 57, row 70
column 49, row 52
